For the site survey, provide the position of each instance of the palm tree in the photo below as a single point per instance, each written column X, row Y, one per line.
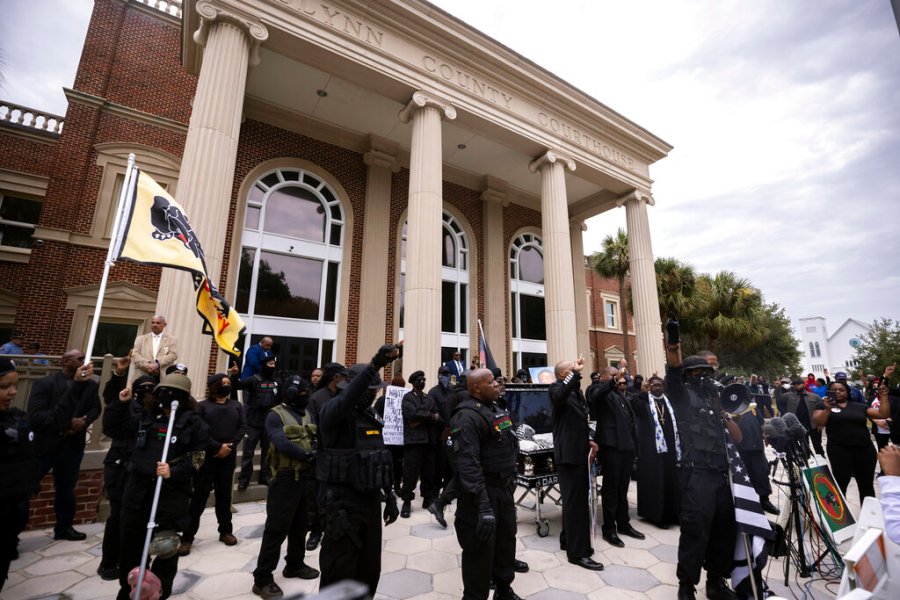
column 729, row 307
column 612, row 262
column 676, row 283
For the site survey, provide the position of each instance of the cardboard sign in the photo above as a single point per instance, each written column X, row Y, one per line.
column 393, row 415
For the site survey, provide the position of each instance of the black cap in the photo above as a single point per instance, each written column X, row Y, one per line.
column 215, row 378
column 443, row 370
column 416, row 375
column 177, row 368
column 696, row 362
column 797, row 381
column 6, row 366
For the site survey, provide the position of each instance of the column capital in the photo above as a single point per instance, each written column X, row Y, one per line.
column 550, row 157
column 421, row 100
column 212, row 12
column 635, row 195
column 382, row 153
column 494, row 190
column 578, row 224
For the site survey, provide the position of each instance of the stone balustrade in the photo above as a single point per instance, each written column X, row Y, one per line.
column 170, row 7
column 29, row 118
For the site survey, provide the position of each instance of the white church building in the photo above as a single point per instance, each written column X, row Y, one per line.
column 835, row 352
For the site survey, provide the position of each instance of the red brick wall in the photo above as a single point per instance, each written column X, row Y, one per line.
column 601, row 340
column 87, row 498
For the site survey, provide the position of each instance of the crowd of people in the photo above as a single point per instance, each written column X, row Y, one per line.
column 333, row 481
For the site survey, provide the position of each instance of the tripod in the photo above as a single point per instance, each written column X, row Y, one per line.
column 800, row 517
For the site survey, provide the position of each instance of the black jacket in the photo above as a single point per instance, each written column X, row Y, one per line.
column 571, row 434
column 418, row 419
column 616, row 423
column 54, row 401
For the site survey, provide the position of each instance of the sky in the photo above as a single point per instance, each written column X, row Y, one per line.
column 784, row 117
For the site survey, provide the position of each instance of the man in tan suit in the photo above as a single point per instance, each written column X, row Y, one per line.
column 154, row 351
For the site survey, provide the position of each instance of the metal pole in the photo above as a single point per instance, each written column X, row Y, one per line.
column 750, row 564
column 592, row 497
column 151, row 525
column 110, row 256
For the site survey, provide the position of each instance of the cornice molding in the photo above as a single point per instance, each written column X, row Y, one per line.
column 114, row 108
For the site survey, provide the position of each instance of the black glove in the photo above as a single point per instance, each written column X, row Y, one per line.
column 672, row 330
column 487, row 525
column 391, row 512
column 383, row 356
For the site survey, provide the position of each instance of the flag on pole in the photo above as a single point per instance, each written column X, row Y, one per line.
column 156, row 231
column 751, row 522
column 484, row 351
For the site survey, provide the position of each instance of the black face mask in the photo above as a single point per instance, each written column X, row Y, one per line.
column 419, row 384
column 224, row 391
column 296, row 399
column 267, row 371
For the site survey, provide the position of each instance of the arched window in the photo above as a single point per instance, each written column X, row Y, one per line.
column 454, row 287
column 812, row 350
column 526, row 285
column 818, row 350
column 290, row 266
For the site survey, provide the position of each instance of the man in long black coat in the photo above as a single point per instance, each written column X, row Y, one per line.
column 658, row 452
column 571, row 445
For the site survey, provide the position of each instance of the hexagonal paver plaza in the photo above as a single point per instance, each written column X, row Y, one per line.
column 420, row 560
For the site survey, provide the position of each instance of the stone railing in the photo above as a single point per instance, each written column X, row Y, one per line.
column 29, row 118
column 170, row 7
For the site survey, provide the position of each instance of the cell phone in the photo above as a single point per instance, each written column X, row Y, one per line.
column 832, row 396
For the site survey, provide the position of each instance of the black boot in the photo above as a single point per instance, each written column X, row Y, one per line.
column 717, row 589
column 436, row 508
column 686, row 592
column 406, row 509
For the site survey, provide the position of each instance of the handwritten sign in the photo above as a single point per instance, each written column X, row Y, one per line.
column 393, row 415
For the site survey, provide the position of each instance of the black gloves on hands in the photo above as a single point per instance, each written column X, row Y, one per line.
column 672, row 330
column 487, row 525
column 384, row 356
column 391, row 512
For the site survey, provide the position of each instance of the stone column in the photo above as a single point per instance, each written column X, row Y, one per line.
column 421, row 325
column 647, row 326
column 496, row 299
column 582, row 318
column 559, row 289
column 381, row 163
column 207, row 169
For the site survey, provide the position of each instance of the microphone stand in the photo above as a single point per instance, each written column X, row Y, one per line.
column 151, row 523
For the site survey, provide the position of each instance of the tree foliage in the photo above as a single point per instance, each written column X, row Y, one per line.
column 880, row 346
column 612, row 261
column 777, row 353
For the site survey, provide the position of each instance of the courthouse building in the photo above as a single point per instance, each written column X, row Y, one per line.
column 356, row 172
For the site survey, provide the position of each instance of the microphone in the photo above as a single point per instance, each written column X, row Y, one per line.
column 796, row 430
column 775, row 429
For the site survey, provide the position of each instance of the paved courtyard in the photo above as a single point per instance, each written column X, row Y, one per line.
column 420, row 560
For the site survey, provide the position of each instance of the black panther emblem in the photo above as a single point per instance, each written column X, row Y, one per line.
column 170, row 223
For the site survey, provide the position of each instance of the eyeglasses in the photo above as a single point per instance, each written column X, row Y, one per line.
column 621, row 383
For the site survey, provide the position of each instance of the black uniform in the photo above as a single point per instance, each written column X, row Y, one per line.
column 353, row 468
column 186, row 453
column 262, row 394
column 293, row 468
column 483, row 448
column 19, row 474
column 419, row 441
column 571, row 437
column 616, row 436
column 708, row 527
column 116, row 426
column 440, row 395
column 227, row 425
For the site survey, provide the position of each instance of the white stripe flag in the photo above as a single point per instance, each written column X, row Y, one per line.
column 751, row 521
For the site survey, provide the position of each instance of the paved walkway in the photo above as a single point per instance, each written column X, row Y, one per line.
column 420, row 560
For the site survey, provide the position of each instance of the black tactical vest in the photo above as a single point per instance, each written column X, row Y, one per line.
column 368, row 466
column 18, row 461
column 702, row 433
column 499, row 446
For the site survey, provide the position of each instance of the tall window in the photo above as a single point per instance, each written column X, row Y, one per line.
column 454, row 287
column 812, row 350
column 290, row 265
column 818, row 350
column 526, row 284
column 18, row 216
column 611, row 310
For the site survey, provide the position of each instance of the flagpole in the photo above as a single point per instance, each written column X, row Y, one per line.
column 481, row 331
column 110, row 256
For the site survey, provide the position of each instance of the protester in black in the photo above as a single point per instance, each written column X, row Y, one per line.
column 350, row 434
column 420, row 416
column 292, row 462
column 116, row 416
column 849, row 446
column 18, row 465
column 225, row 419
column 262, row 394
column 483, row 450
column 187, row 449
column 708, row 529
